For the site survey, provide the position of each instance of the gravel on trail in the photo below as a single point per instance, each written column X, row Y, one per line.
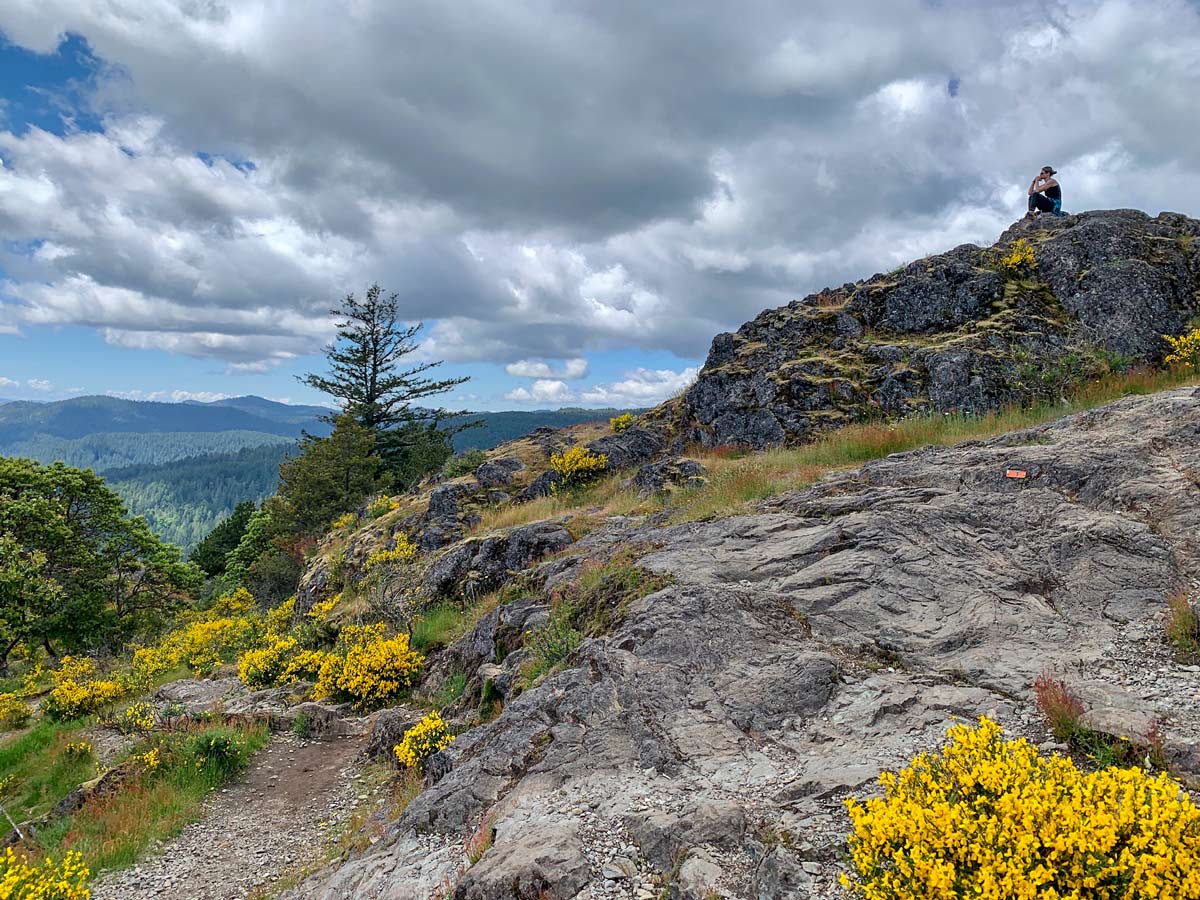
column 253, row 832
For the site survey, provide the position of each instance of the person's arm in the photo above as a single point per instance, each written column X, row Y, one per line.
column 1033, row 187
column 1049, row 183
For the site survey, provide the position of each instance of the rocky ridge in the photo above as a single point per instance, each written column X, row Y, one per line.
column 702, row 746
column 965, row 330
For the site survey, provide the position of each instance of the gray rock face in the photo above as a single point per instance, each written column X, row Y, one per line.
column 956, row 331
column 657, row 477
column 710, row 738
column 498, row 472
column 482, row 563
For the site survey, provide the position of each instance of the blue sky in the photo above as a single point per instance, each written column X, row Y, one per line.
column 52, row 92
column 575, row 200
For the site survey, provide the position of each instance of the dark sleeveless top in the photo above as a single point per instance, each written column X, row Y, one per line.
column 1054, row 192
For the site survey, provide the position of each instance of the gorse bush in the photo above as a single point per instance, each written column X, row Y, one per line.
column 80, row 691
column 14, row 712
column 622, row 422
column 423, row 740
column 21, row 879
column 1185, row 350
column 1019, row 257
column 990, row 819
column 576, row 466
column 403, row 550
column 368, row 667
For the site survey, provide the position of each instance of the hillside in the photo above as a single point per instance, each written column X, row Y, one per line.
column 661, row 673
column 184, row 466
column 750, row 651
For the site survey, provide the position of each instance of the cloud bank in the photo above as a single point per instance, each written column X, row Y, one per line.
column 543, row 181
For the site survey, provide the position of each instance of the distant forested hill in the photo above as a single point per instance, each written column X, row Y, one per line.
column 185, row 466
column 498, row 427
column 183, row 500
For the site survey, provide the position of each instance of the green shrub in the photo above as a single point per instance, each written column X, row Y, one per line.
column 464, row 463
column 577, row 466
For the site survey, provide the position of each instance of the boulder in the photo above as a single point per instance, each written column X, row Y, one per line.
column 667, row 474
column 480, row 564
column 499, row 472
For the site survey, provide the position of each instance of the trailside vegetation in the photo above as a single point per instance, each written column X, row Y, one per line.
column 77, row 572
column 367, row 379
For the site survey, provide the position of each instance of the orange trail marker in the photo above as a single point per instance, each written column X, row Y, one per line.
column 1015, row 473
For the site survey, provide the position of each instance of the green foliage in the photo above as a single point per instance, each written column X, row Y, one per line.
column 38, row 768
column 464, row 463
column 366, row 378
column 450, row 690
column 438, row 626
column 302, row 726
column 328, row 476
column 210, row 553
column 412, row 451
column 255, row 540
column 550, row 644
column 106, row 576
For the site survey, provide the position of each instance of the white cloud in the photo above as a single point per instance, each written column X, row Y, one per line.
column 174, row 396
column 39, row 384
column 641, row 387
column 529, row 368
column 8, row 382
column 575, row 191
column 542, row 391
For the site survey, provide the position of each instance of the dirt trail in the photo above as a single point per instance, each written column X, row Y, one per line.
column 273, row 820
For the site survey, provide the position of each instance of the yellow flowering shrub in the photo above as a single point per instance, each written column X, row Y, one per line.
column 150, row 662
column 577, row 466
column 305, row 665
column 403, row 550
column 150, row 759
column 321, row 611
column 78, row 691
column 1185, row 350
column 138, row 716
column 265, row 666
column 31, row 681
column 78, row 749
column 14, row 712
column 343, row 521
column 368, row 667
column 622, row 422
column 991, row 819
column 423, row 740
column 239, row 603
column 22, row 880
column 1019, row 256
column 279, row 620
column 382, row 505
column 205, row 645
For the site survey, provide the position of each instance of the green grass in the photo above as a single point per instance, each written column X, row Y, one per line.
column 439, row 626
column 36, row 770
column 154, row 804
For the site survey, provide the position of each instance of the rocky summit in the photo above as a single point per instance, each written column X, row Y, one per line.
column 703, row 746
column 1053, row 302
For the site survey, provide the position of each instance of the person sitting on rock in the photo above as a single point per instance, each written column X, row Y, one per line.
column 1044, row 194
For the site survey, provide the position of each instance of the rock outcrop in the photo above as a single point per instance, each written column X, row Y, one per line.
column 962, row 330
column 705, row 743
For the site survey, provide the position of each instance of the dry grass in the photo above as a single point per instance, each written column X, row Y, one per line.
column 1061, row 710
column 1183, row 624
column 738, row 479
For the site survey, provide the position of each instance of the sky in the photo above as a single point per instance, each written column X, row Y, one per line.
column 573, row 197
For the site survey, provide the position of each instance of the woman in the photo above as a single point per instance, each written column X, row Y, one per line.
column 1044, row 194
